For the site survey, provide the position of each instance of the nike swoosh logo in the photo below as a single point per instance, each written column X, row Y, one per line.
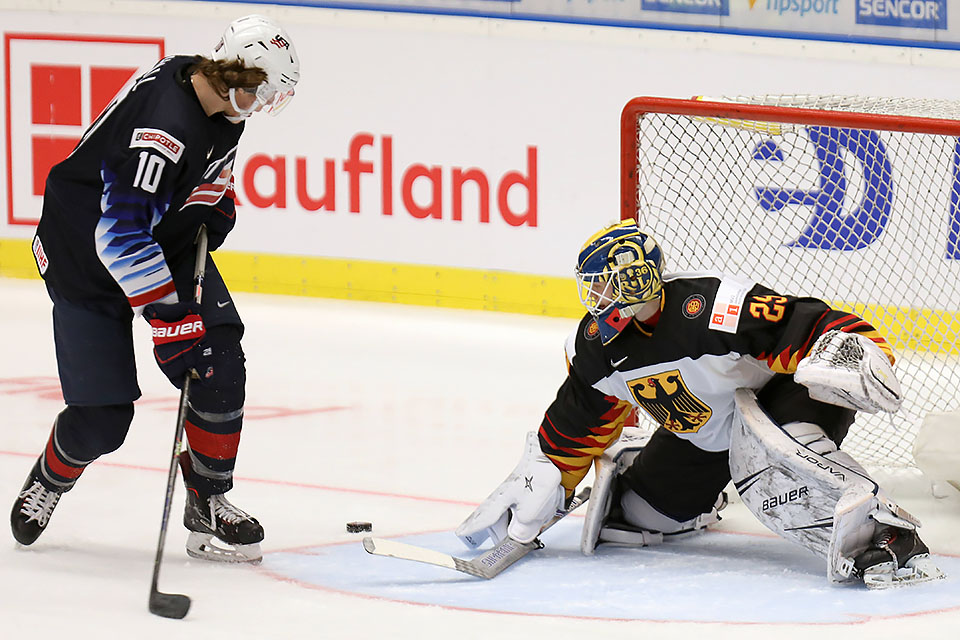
column 619, row 362
column 223, row 304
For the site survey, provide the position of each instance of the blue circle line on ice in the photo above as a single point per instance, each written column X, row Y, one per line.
column 713, row 577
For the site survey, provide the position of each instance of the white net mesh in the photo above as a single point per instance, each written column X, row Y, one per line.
column 866, row 219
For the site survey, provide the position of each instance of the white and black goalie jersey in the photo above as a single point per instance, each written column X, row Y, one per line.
column 130, row 199
column 714, row 334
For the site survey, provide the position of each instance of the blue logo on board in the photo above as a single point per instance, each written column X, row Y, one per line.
column 710, row 7
column 920, row 14
column 834, row 222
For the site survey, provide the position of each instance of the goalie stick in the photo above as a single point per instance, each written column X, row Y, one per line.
column 488, row 565
column 176, row 605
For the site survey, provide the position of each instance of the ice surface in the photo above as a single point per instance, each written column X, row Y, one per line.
column 405, row 417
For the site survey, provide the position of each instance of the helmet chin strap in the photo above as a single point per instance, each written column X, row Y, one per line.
column 641, row 310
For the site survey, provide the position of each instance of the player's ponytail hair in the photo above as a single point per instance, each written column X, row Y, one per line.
column 224, row 75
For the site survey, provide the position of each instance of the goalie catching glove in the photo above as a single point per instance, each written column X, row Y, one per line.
column 524, row 502
column 849, row 370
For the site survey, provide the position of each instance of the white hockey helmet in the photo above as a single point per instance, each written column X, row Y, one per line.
column 258, row 41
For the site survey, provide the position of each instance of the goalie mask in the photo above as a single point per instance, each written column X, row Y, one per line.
column 258, row 41
column 618, row 272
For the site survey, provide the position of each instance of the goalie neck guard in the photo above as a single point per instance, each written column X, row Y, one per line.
column 618, row 271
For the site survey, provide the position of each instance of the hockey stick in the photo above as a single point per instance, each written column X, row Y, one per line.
column 489, row 565
column 176, row 605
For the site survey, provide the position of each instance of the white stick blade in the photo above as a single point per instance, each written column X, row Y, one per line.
column 393, row 549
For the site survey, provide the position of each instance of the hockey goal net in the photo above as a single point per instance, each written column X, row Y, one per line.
column 852, row 200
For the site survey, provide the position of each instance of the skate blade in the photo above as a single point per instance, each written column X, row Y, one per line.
column 203, row 546
column 917, row 571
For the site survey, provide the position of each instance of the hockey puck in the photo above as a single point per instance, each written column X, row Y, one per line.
column 359, row 527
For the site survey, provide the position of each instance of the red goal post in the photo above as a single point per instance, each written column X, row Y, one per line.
column 855, row 200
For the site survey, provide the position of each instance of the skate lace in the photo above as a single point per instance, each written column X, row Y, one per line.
column 883, row 541
column 226, row 512
column 38, row 503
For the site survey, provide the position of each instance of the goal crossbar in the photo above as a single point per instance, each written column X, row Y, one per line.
column 636, row 107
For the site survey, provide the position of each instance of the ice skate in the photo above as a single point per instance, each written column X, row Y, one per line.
column 219, row 531
column 896, row 558
column 32, row 509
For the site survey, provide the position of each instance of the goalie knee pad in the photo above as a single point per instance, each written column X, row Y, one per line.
column 643, row 515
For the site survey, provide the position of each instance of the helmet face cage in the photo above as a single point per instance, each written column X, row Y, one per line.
column 267, row 99
column 258, row 41
column 619, row 267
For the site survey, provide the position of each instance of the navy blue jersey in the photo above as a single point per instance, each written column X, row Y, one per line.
column 129, row 200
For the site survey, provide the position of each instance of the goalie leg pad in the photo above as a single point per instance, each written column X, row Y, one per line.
column 622, row 516
column 795, row 481
column 608, row 469
column 644, row 516
column 793, row 490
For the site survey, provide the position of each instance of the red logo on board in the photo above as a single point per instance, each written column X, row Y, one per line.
column 55, row 87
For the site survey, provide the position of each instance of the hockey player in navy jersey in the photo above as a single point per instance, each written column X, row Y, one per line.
column 743, row 383
column 116, row 240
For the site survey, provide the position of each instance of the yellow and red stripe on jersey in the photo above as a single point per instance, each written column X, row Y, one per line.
column 575, row 461
column 786, row 360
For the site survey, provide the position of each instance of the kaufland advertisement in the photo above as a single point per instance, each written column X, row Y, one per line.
column 448, row 141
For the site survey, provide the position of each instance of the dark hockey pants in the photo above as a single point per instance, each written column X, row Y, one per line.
column 682, row 481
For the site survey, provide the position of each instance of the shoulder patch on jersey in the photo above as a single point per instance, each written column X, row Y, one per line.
column 693, row 306
column 728, row 304
column 40, row 255
column 591, row 331
column 159, row 140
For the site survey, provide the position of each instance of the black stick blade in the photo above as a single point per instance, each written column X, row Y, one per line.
column 169, row 605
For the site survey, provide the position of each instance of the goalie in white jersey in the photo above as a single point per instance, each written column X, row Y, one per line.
column 745, row 383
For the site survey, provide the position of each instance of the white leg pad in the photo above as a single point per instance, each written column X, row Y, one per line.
column 645, row 525
column 795, row 481
column 608, row 467
column 641, row 514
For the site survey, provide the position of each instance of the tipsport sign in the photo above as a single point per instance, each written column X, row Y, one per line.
column 830, row 225
column 55, row 86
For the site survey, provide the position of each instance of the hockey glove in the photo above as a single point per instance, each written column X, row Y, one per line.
column 220, row 222
column 524, row 502
column 178, row 332
column 849, row 370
